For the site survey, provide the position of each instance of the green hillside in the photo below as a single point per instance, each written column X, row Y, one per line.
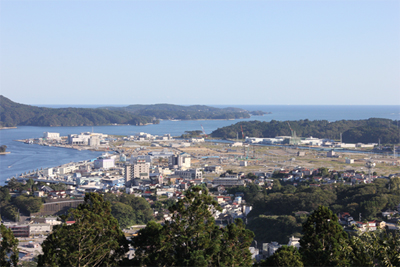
column 353, row 131
column 13, row 114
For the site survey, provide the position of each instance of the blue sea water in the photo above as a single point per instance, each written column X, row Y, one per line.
column 25, row 158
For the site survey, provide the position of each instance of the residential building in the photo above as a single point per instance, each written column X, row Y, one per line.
column 190, row 174
column 139, row 169
column 181, row 161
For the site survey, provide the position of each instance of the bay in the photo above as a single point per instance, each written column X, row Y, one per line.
column 25, row 157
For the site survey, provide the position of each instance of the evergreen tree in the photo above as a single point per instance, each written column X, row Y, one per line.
column 9, row 252
column 324, row 242
column 375, row 248
column 284, row 256
column 234, row 245
column 95, row 239
column 192, row 238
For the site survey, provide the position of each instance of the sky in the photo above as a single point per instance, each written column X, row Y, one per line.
column 200, row 52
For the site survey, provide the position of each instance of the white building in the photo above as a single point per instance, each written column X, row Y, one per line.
column 104, row 163
column 294, row 241
column 182, row 161
column 196, row 140
column 51, row 136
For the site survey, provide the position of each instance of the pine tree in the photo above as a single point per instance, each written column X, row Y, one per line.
column 375, row 248
column 9, row 252
column 192, row 238
column 235, row 241
column 324, row 242
column 95, row 239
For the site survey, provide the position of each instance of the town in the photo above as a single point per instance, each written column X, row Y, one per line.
column 161, row 168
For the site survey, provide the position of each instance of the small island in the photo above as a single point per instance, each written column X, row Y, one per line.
column 259, row 113
column 3, row 149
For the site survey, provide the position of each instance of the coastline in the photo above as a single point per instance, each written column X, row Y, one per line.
column 5, row 153
column 6, row 128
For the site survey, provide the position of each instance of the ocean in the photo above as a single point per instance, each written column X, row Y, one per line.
column 24, row 158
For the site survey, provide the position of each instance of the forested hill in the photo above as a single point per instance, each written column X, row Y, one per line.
column 12, row 114
column 177, row 112
column 353, row 131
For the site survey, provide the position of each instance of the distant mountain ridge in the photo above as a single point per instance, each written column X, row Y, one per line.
column 13, row 114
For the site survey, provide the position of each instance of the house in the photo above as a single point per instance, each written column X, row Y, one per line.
column 294, row 241
column 379, row 224
column 38, row 193
column 221, row 189
column 46, row 189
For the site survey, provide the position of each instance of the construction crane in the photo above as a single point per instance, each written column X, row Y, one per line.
column 291, row 131
column 294, row 140
column 203, row 131
column 244, row 147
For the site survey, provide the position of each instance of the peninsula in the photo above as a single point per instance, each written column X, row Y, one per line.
column 13, row 114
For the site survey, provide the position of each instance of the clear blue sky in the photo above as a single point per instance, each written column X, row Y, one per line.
column 200, row 52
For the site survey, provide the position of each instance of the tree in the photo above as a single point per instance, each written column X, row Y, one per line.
column 375, row 248
column 124, row 214
column 95, row 239
column 192, row 238
column 251, row 176
column 28, row 204
column 323, row 171
column 3, row 148
column 9, row 252
column 234, row 244
column 324, row 242
column 284, row 256
column 141, row 207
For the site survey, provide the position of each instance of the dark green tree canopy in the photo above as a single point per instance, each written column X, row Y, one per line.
column 324, row 240
column 9, row 252
column 192, row 238
column 95, row 239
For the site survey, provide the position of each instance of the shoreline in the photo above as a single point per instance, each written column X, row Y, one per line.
column 5, row 153
column 6, row 128
column 67, row 146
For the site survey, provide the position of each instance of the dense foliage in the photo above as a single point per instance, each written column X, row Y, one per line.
column 324, row 240
column 26, row 204
column 377, row 248
column 276, row 208
column 129, row 209
column 325, row 243
column 94, row 239
column 9, row 252
column 275, row 228
column 353, row 131
column 192, row 238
